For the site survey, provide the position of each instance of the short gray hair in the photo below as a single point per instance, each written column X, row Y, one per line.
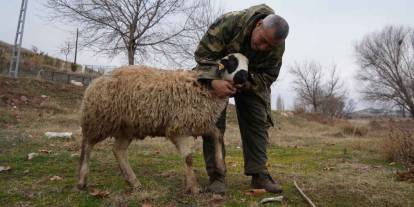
column 273, row 21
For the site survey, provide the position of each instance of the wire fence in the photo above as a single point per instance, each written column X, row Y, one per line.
column 56, row 76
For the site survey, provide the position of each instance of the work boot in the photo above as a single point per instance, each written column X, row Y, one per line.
column 217, row 185
column 265, row 181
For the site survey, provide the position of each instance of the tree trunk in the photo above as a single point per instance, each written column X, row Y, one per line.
column 412, row 113
column 131, row 54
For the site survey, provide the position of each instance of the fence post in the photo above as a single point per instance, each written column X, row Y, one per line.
column 68, row 78
column 53, row 74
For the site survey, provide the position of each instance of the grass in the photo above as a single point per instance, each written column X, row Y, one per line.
column 333, row 170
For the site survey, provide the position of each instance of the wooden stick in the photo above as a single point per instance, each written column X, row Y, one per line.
column 309, row 201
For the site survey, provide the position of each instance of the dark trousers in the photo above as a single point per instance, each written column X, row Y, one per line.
column 254, row 122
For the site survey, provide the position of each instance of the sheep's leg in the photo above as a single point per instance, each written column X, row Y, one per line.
column 84, row 163
column 120, row 151
column 185, row 146
column 218, row 146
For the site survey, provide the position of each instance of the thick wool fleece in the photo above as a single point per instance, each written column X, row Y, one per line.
column 140, row 101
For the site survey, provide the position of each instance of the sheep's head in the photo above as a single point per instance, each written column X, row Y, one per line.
column 234, row 67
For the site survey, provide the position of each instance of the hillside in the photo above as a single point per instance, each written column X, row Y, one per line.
column 35, row 60
column 336, row 162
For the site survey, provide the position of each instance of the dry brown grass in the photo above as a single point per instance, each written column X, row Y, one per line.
column 343, row 170
column 399, row 146
column 354, row 130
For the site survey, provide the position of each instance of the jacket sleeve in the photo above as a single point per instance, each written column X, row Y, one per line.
column 212, row 46
column 267, row 77
column 269, row 72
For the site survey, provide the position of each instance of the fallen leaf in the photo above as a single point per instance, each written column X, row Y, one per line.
column 328, row 168
column 99, row 193
column 405, row 176
column 24, row 99
column 146, row 205
column 232, row 164
column 169, row 174
column 217, row 197
column 53, row 178
column 216, row 200
column 32, row 155
column 45, row 151
column 75, row 155
column 255, row 192
column 5, row 168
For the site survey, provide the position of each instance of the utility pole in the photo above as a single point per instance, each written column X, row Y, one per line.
column 15, row 60
column 74, row 67
column 76, row 45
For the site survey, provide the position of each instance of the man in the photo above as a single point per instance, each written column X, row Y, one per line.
column 260, row 35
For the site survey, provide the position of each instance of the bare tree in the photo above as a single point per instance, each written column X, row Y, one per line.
column 349, row 107
column 386, row 61
column 324, row 96
column 333, row 98
column 334, row 86
column 182, row 52
column 66, row 49
column 35, row 49
column 308, row 77
column 332, row 106
column 134, row 27
column 280, row 106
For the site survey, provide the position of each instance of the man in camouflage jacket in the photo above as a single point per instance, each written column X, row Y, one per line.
column 260, row 35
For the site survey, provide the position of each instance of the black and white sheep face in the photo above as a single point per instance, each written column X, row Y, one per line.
column 234, row 68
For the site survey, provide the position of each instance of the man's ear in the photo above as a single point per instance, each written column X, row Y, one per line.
column 260, row 22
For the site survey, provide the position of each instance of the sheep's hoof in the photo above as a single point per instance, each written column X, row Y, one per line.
column 136, row 186
column 192, row 189
column 81, row 186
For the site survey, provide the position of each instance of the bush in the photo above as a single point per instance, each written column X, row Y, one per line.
column 399, row 147
column 354, row 130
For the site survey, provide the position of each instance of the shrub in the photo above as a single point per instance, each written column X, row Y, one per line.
column 399, row 146
column 354, row 130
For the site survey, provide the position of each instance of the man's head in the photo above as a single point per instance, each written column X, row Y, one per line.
column 269, row 33
column 234, row 68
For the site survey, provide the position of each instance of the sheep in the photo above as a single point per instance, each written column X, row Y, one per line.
column 140, row 101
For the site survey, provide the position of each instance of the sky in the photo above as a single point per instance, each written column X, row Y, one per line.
column 324, row 31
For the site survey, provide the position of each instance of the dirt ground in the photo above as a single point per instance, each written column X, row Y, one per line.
column 335, row 162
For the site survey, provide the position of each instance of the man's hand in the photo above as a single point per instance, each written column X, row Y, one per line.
column 223, row 88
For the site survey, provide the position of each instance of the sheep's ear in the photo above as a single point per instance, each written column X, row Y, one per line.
column 220, row 66
column 223, row 64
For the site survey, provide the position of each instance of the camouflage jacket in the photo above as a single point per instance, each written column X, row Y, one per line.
column 231, row 33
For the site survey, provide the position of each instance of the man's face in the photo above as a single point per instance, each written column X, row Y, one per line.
column 262, row 40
